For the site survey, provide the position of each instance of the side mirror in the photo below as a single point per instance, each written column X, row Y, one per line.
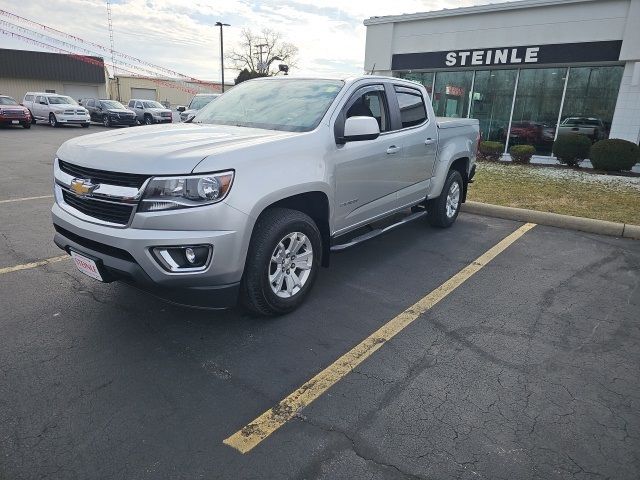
column 190, row 118
column 181, row 108
column 361, row 128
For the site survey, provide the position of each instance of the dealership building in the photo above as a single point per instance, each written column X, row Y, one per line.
column 528, row 70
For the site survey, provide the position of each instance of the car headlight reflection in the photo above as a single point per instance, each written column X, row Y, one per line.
column 169, row 193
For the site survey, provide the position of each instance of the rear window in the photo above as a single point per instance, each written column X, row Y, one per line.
column 412, row 109
column 28, row 98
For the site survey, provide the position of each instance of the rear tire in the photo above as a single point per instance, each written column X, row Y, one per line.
column 443, row 211
column 272, row 283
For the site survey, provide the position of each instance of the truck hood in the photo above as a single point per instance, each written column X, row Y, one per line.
column 162, row 149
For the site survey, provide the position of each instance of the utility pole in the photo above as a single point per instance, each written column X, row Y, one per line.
column 261, row 65
column 220, row 24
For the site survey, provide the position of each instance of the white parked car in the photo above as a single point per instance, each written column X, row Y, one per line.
column 56, row 109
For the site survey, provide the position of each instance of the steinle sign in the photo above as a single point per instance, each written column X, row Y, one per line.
column 504, row 56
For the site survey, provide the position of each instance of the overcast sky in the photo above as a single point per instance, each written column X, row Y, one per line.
column 179, row 34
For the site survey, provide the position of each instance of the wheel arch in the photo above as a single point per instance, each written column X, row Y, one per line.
column 314, row 203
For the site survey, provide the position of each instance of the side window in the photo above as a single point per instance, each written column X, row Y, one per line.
column 28, row 98
column 41, row 99
column 89, row 103
column 412, row 109
column 131, row 102
column 138, row 104
column 371, row 104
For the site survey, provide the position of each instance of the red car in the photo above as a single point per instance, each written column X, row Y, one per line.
column 13, row 114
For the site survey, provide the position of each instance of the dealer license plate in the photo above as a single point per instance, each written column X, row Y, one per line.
column 86, row 265
column 15, row 122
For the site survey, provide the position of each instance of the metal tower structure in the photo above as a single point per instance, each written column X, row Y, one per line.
column 113, row 60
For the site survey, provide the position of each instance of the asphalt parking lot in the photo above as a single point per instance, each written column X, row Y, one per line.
column 528, row 369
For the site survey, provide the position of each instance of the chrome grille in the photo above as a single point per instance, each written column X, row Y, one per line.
column 119, row 213
column 102, row 176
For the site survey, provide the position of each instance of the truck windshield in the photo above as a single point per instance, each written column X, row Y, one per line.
column 7, row 101
column 153, row 104
column 201, row 100
column 111, row 104
column 291, row 105
column 61, row 100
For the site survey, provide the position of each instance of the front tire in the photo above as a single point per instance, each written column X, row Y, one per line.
column 148, row 120
column 443, row 211
column 106, row 121
column 282, row 263
column 26, row 125
column 53, row 121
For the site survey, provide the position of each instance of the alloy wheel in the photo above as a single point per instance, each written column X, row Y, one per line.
column 453, row 199
column 290, row 265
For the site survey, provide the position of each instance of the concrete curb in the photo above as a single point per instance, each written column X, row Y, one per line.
column 590, row 225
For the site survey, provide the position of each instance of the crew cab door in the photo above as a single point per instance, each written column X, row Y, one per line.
column 40, row 110
column 418, row 134
column 367, row 174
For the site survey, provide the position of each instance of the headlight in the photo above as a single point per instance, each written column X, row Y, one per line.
column 169, row 193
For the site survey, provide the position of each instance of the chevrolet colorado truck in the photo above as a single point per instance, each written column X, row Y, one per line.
column 248, row 200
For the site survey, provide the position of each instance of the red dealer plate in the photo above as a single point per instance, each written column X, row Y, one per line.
column 86, row 265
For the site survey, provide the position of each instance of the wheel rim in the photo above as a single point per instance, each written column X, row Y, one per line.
column 147, row 120
column 290, row 265
column 453, row 199
column 52, row 120
column 105, row 121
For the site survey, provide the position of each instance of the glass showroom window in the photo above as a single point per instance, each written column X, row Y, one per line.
column 536, row 109
column 590, row 101
column 451, row 93
column 425, row 78
column 491, row 102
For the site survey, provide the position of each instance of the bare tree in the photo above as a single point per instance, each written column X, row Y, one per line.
column 261, row 53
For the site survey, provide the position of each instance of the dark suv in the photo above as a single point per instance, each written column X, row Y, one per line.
column 109, row 112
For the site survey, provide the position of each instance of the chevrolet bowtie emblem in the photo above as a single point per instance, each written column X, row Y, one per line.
column 82, row 186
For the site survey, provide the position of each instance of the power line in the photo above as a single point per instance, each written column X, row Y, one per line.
column 54, row 31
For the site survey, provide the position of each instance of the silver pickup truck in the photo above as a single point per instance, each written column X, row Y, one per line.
column 250, row 198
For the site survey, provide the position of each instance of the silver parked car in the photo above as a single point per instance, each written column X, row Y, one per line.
column 250, row 198
column 197, row 103
column 149, row 112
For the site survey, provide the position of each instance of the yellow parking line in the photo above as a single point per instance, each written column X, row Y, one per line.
column 251, row 435
column 26, row 266
column 23, row 199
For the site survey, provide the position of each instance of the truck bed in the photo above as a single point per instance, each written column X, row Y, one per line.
column 451, row 122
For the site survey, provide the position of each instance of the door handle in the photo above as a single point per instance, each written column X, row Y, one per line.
column 429, row 141
column 392, row 149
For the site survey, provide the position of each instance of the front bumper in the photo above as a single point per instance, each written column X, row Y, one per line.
column 10, row 119
column 123, row 120
column 72, row 119
column 125, row 253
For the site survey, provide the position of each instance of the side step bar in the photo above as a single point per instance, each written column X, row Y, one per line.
column 379, row 231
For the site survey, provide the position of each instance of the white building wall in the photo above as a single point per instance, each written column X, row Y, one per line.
column 626, row 118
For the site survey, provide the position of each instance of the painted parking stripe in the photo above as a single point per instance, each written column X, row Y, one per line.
column 24, row 199
column 39, row 263
column 255, row 432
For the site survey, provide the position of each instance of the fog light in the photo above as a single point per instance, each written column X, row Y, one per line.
column 182, row 258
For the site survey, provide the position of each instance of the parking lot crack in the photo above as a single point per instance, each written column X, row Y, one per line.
column 361, row 451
